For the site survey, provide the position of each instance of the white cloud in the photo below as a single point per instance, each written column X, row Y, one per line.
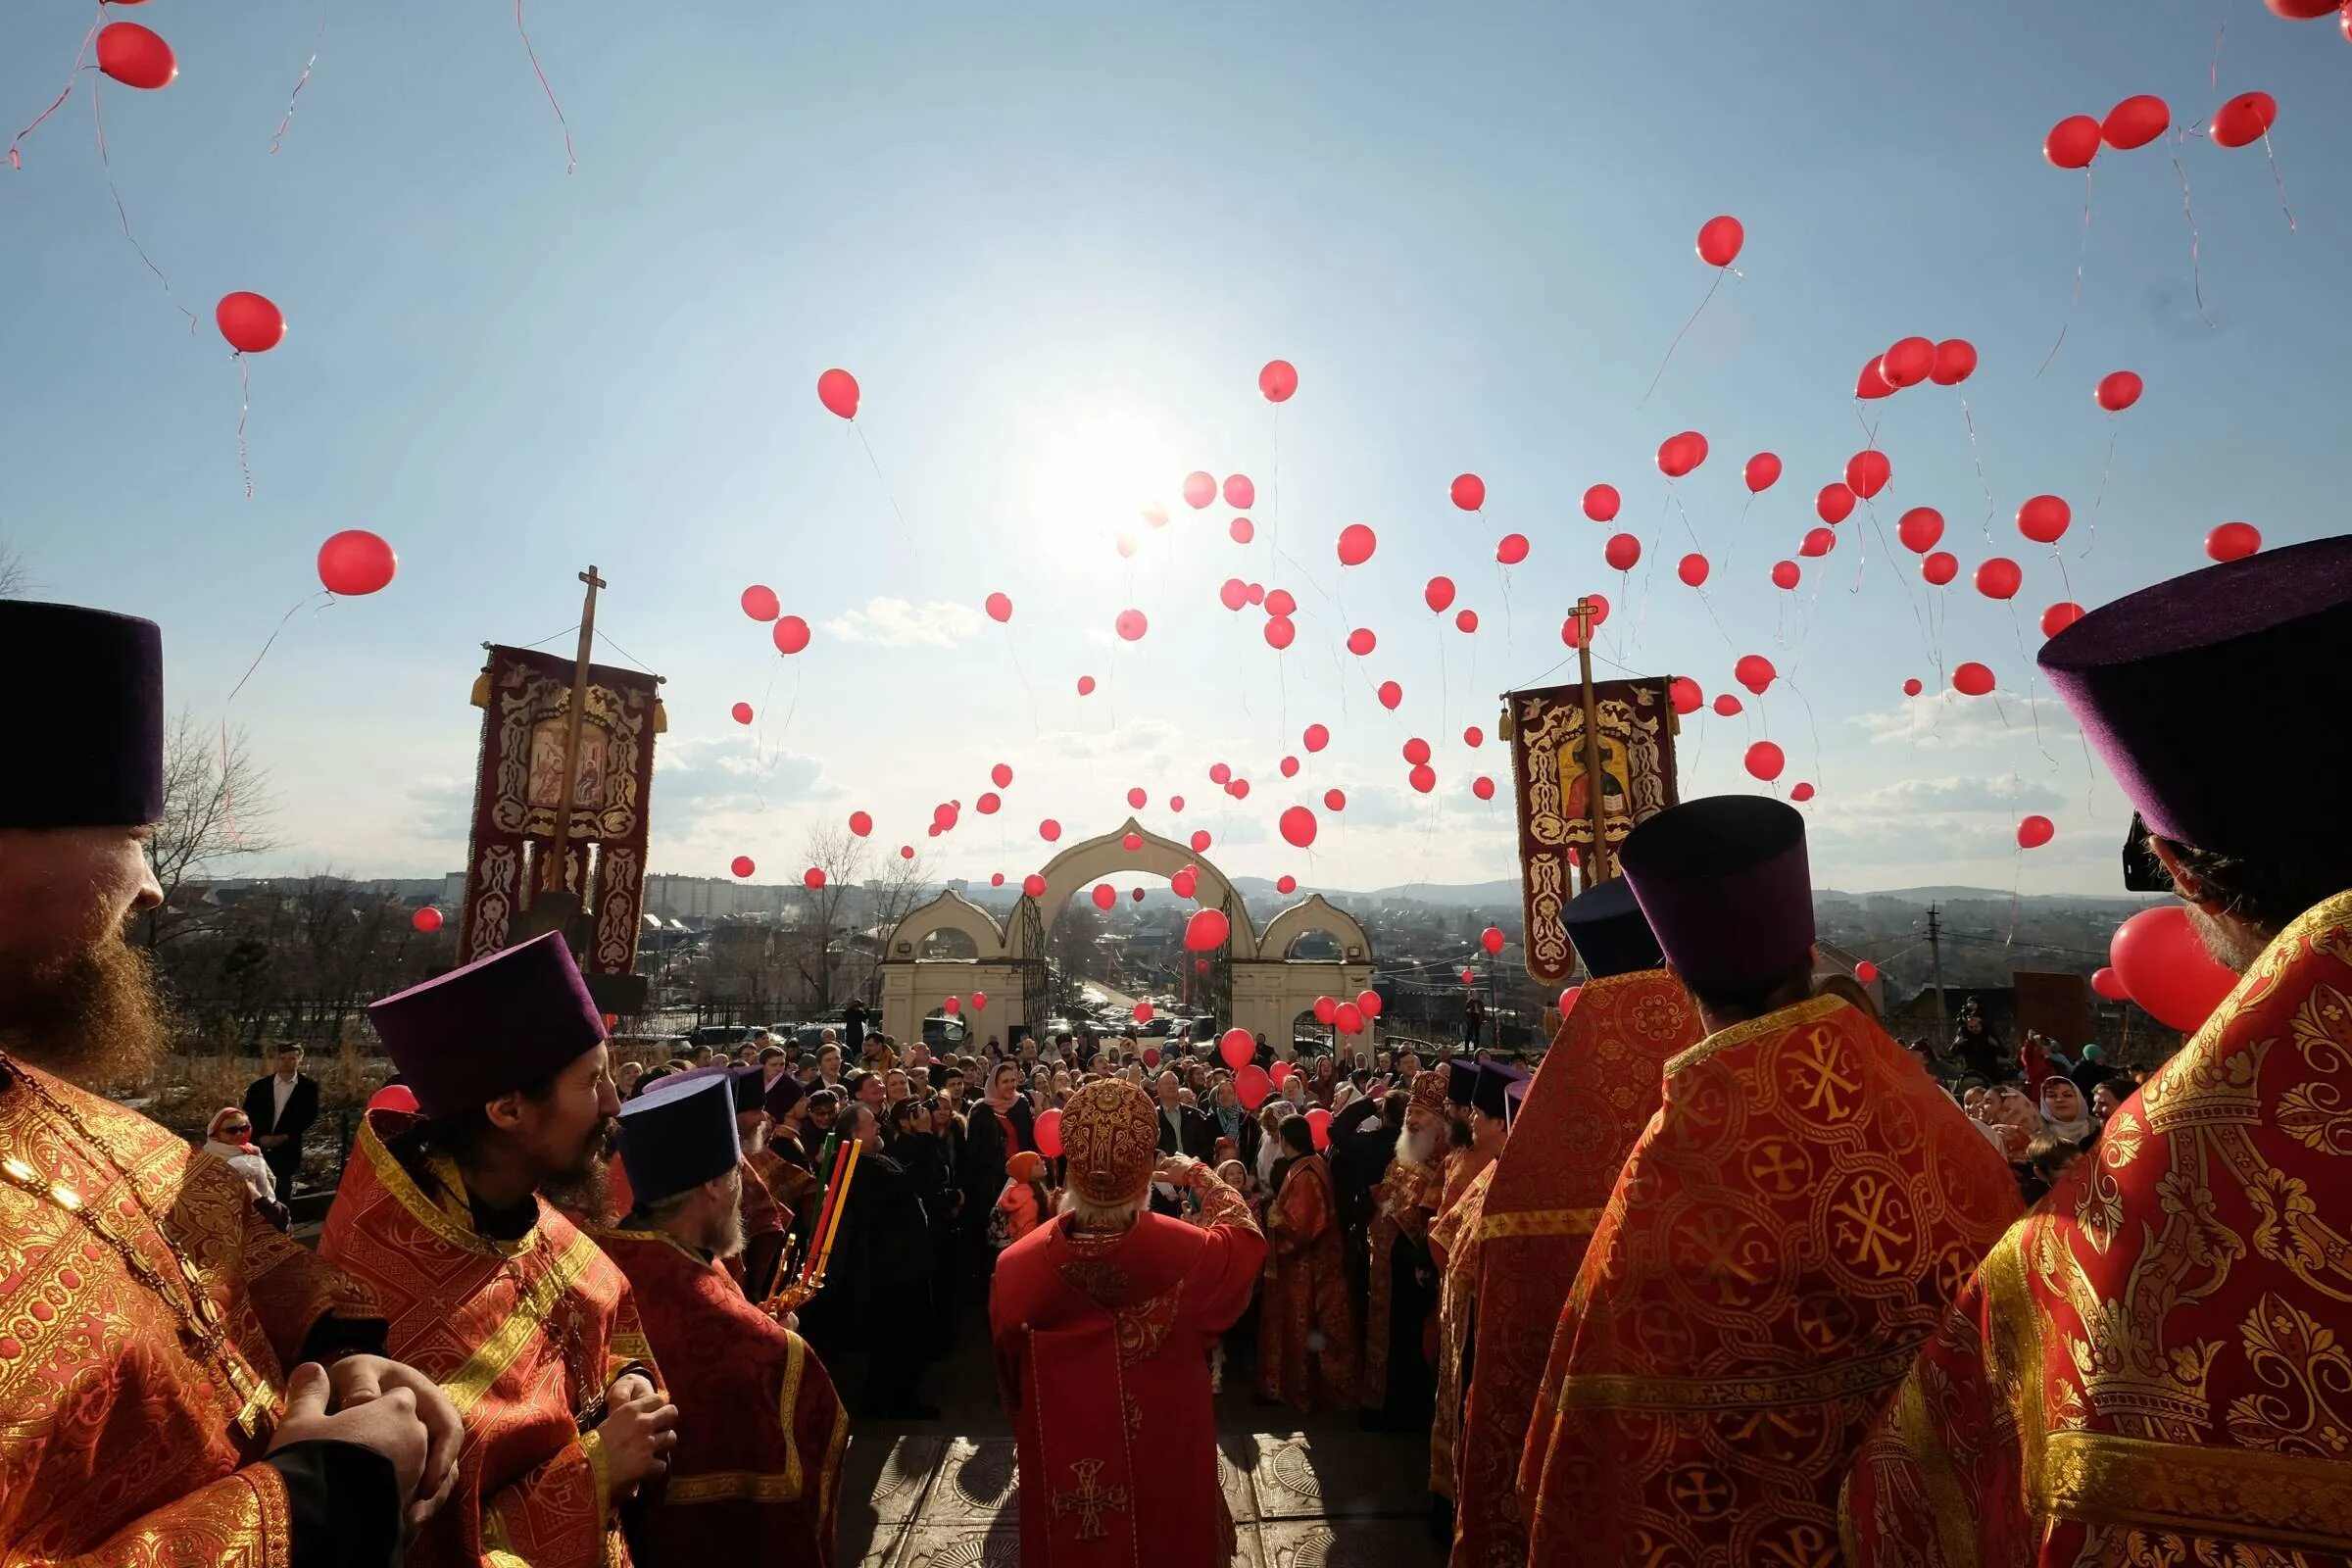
column 889, row 622
column 1914, row 797
column 1949, row 719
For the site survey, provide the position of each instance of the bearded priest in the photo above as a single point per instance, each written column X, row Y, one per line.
column 1787, row 1229
column 1403, row 1278
column 167, row 1360
column 1101, row 1318
column 756, row 1472
column 490, row 1289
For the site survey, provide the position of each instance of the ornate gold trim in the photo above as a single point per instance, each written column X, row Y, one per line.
column 1633, row 1391
column 1954, row 1529
column 734, row 1486
column 470, row 1382
column 1536, row 1222
column 2283, row 1501
column 394, row 1178
column 2017, row 1335
column 1810, row 1011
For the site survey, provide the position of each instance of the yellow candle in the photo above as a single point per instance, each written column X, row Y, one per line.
column 839, row 1203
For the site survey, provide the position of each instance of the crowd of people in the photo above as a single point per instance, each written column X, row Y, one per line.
column 1730, row 1279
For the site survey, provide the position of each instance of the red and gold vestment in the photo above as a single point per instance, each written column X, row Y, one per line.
column 1454, row 1239
column 1404, row 1204
column 1788, row 1229
column 2155, row 1366
column 1307, row 1334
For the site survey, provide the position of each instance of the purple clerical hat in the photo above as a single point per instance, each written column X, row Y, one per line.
column 1491, row 1090
column 499, row 1024
column 679, row 1135
column 2216, row 698
column 1610, row 932
column 1726, row 889
column 96, row 681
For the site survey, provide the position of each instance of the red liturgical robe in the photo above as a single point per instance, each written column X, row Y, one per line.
column 1454, row 1238
column 2153, row 1366
column 757, row 1471
column 1103, row 1358
column 1596, row 1091
column 1404, row 1202
column 1306, row 1332
column 521, row 1334
column 1789, row 1228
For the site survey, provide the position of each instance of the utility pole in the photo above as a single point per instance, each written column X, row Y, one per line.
column 1935, row 961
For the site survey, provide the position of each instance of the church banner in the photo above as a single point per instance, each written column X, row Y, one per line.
column 1638, row 725
column 525, row 699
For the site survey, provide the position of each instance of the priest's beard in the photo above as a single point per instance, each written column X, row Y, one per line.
column 724, row 1236
column 585, row 1187
column 2233, row 944
column 93, row 1016
column 1417, row 1148
column 755, row 1140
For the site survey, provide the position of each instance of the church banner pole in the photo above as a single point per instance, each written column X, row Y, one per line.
column 1596, row 868
column 553, row 876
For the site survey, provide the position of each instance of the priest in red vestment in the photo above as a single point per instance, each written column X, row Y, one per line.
column 490, row 1289
column 1788, row 1229
column 1306, row 1333
column 1397, row 1374
column 1467, row 1157
column 2153, row 1366
column 1453, row 1242
column 757, row 1471
column 167, row 1360
column 1103, row 1318
column 1592, row 1095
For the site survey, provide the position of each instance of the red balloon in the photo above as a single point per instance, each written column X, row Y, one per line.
column 1175, row 802
column 1047, row 1132
column 1416, row 751
column 1199, row 840
column 1719, row 239
column 814, row 878
column 1762, row 472
column 1423, row 779
column 837, row 390
column 1239, row 492
column 1237, row 1049
column 1800, row 792
column 1999, row 577
column 906, row 852
column 1316, row 737
column 1955, row 362
column 1913, row 687
column 740, row 713
column 1692, row 569
column 1335, row 800
column 863, row 824
column 1289, row 768
column 1684, row 694
column 1726, row 705
column 1909, row 362
column 1279, row 601
column 1242, row 530
column 1941, row 567
column 1867, row 471
column 1834, row 503
column 1207, row 930
column 2044, row 520
column 2136, row 121
column 1368, row 1003
column 1678, row 455
column 1356, row 544
column 1491, row 939
column 1156, row 515
column 1033, row 886
column 1049, row 831
column 356, row 561
column 2118, row 390
column 1465, row 620
column 741, row 865
column 1347, row 1019
column 1234, row 594
column 1086, row 685
column 1511, row 548
column 2167, row 970
column 1567, row 1002
column 791, row 634
column 1362, row 641
column 399, row 1098
column 1185, row 883
column 135, row 56
column 1104, row 897
column 1866, row 971
column 1278, row 380
column 760, row 602
column 1469, row 491
column 1765, row 762
column 2033, row 832
column 1299, row 827
column 2301, row 10
column 1473, row 737
column 989, row 803
column 1622, row 551
column 1483, row 787
column 2073, row 142
column 2059, row 617
column 1920, row 528
column 998, row 607
column 426, row 919
column 1001, row 775
column 1817, row 542
column 1785, row 574
column 1136, row 799
column 250, row 322
column 1285, row 885
column 1873, row 382
column 1220, row 773
column 1756, row 672
column 1199, row 489
column 1252, row 1085
column 1437, row 595
column 1390, row 693
column 1601, row 502
column 1279, row 631
column 2233, row 541
column 1972, row 679
column 2107, row 983
column 1132, row 625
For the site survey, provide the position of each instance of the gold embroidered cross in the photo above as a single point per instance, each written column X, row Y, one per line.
column 1874, row 1207
column 1091, row 1500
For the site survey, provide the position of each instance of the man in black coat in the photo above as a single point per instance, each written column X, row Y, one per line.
column 1182, row 1130
column 281, row 1107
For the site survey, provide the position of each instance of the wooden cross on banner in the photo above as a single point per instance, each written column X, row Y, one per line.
column 552, row 877
column 1596, row 868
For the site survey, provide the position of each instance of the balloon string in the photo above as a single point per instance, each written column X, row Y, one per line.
column 2032, row 709
column 1976, row 455
column 300, row 82
column 244, row 408
column 570, row 162
column 1037, row 728
column 2196, row 264
column 1738, row 523
column 2115, row 434
column 98, row 121
column 228, row 801
column 759, row 737
column 905, row 542
column 2277, row 180
column 2081, row 253
column 1678, row 337
column 63, row 93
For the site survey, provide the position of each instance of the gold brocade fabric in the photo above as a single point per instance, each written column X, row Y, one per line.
column 119, row 1437
column 1787, row 1229
column 1404, row 1202
column 1454, row 1236
column 1597, row 1089
column 2156, row 1366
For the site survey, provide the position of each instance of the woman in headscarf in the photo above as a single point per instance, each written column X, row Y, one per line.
column 2013, row 1123
column 2063, row 1109
column 228, row 1139
column 1270, row 1117
column 1306, row 1329
column 1326, row 1084
column 999, row 1125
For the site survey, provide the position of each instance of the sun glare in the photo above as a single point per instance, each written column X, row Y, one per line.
column 1096, row 475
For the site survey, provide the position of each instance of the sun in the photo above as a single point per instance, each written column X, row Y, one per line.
column 1098, row 475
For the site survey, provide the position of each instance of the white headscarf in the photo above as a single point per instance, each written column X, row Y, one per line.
column 2077, row 1127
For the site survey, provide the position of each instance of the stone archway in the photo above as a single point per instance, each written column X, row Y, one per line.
column 1272, row 990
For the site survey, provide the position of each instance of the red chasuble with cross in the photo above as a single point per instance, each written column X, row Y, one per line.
column 1787, row 1229
column 1103, row 1359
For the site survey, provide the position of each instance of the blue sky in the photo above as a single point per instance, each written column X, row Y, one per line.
column 1056, row 250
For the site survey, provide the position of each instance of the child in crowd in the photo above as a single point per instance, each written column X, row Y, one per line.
column 1025, row 1202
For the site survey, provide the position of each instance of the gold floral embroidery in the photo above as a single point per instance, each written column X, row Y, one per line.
column 2294, row 1352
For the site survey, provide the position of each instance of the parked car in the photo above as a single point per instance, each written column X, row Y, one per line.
column 722, row 1036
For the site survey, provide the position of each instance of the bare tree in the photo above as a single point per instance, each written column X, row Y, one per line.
column 814, row 946
column 216, row 806
column 15, row 579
